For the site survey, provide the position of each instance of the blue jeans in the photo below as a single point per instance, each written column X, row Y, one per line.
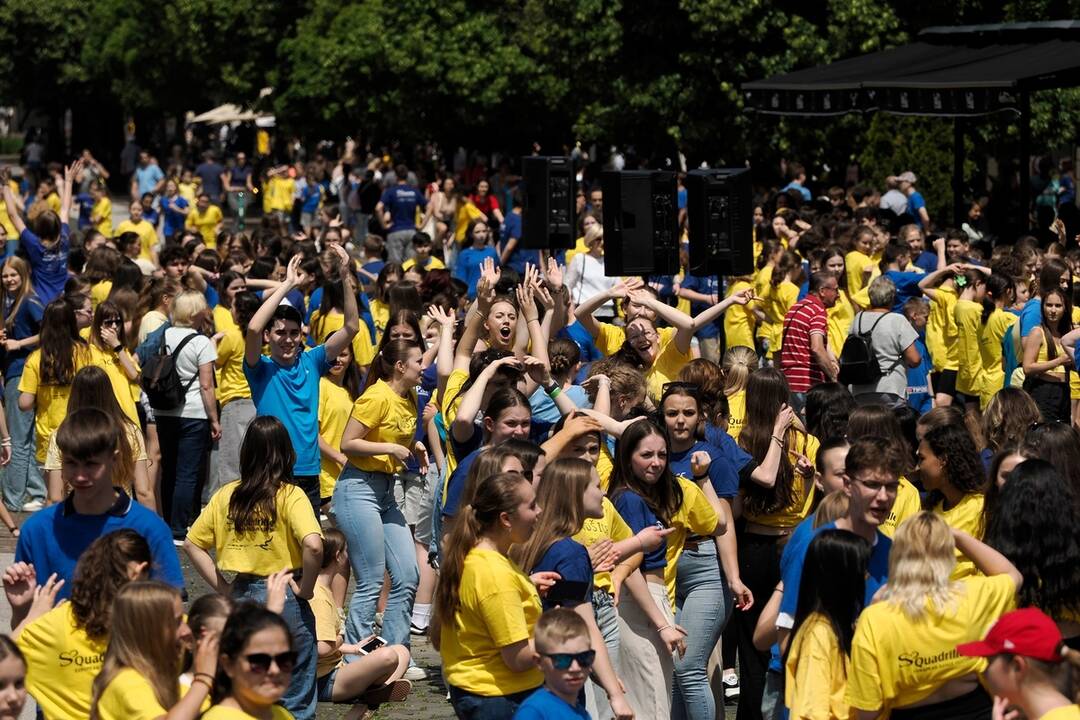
column 607, row 621
column 22, row 477
column 704, row 604
column 379, row 541
column 184, row 444
column 300, row 698
column 468, row 706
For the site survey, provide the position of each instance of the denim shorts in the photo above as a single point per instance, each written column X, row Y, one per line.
column 324, row 686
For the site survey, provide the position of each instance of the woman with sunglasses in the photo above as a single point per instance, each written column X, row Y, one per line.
column 257, row 526
column 703, row 600
column 646, row 492
column 109, row 350
column 255, row 667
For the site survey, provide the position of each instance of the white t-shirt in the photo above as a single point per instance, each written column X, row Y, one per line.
column 891, row 337
column 199, row 351
column 585, row 278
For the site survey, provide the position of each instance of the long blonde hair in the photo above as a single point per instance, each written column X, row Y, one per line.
column 25, row 289
column 921, row 562
column 561, row 492
column 738, row 362
column 143, row 638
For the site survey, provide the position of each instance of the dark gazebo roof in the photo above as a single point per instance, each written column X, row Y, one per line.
column 949, row 71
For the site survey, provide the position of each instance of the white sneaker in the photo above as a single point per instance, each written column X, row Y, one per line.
column 33, row 506
column 415, row 672
column 731, row 686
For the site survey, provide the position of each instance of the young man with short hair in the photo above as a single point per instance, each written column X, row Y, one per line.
column 286, row 384
column 52, row 540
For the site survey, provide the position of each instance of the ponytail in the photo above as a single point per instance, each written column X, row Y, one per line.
column 495, row 495
column 382, row 367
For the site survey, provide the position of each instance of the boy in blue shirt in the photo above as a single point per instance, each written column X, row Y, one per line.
column 286, row 384
column 564, row 654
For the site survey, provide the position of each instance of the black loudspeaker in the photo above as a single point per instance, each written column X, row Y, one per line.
column 547, row 207
column 641, row 223
column 720, row 213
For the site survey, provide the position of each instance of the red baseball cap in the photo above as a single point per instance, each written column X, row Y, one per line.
column 1028, row 632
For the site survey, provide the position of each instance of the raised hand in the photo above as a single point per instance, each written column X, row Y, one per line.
column 581, row 424
column 536, row 369
column 441, row 316
column 700, row 462
column 525, row 302
column 742, row 297
column 44, row 597
column 543, row 296
column 784, row 418
column 490, row 272
column 293, row 272
column 555, row 273
column 20, row 582
column 625, row 286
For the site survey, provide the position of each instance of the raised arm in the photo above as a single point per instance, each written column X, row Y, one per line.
column 70, row 173
column 341, row 338
column 253, row 339
column 683, row 323
column 462, row 428
column 988, row 560
column 585, row 309
column 928, row 284
column 743, row 297
column 11, row 204
column 477, row 314
column 444, row 361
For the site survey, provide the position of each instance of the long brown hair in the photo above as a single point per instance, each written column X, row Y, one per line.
column 92, row 388
column 143, row 638
column 769, row 389
column 100, row 573
column 266, row 461
column 495, row 495
column 390, row 354
column 665, row 496
column 60, row 342
column 561, row 494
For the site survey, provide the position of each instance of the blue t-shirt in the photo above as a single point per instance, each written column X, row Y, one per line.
column 571, row 560
column 49, row 266
column 428, row 381
column 915, row 202
column 27, row 323
column 723, row 476
column 927, row 261
column 801, row 190
column 576, row 331
column 545, row 413
column 52, row 539
column 291, row 394
column 706, row 285
column 401, row 202
column 907, row 287
column 791, row 567
column 210, row 173
column 638, row 516
column 148, row 177
column 918, row 386
column 546, row 705
column 1030, row 316
column 455, row 486
column 86, row 207
column 728, row 447
column 511, row 228
column 174, row 220
column 469, row 261
column 310, row 198
column 680, row 198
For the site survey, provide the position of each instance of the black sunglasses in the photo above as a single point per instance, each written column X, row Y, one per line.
column 563, row 661
column 260, row 662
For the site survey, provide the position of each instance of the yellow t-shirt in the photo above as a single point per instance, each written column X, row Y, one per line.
column 448, row 405
column 188, row 192
column 990, row 344
column 231, row 382
column 62, row 662
column 803, row 497
column 256, row 553
column 840, row 316
column 816, row 673
column 335, row 405
column 611, row 527
column 130, row 696
column 966, row 515
column 5, row 218
column 103, row 211
column 665, row 368
column 739, row 320
column 324, row 327
column 390, row 418
column 776, row 301
column 109, row 361
column 580, row 246
column 611, row 337
column 280, row 193
column 498, row 607
column 695, row 516
column 147, row 236
column 941, row 330
column 50, row 401
column 897, row 660
column 223, row 319
column 99, row 292
column 380, row 315
column 855, row 264
column 1065, row 712
column 218, row 712
column 969, row 376
column 736, row 413
column 907, row 504
column 604, row 465
column 206, row 223
column 466, row 213
column 329, row 626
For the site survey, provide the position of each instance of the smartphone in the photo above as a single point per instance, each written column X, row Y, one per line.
column 568, row 593
column 372, row 645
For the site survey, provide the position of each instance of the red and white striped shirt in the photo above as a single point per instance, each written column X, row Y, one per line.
column 807, row 317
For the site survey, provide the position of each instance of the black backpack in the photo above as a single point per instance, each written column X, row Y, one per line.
column 858, row 361
column 161, row 380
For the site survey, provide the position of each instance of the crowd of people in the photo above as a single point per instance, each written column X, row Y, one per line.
column 844, row 485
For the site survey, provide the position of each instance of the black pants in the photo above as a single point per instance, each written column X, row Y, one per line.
column 759, row 567
column 976, row 705
column 1052, row 399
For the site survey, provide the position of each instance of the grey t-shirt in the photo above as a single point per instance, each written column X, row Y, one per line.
column 890, row 337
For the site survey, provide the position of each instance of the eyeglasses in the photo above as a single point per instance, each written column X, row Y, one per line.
column 260, row 662
column 563, row 661
column 876, row 487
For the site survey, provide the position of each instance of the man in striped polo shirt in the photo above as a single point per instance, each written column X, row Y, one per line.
column 805, row 358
